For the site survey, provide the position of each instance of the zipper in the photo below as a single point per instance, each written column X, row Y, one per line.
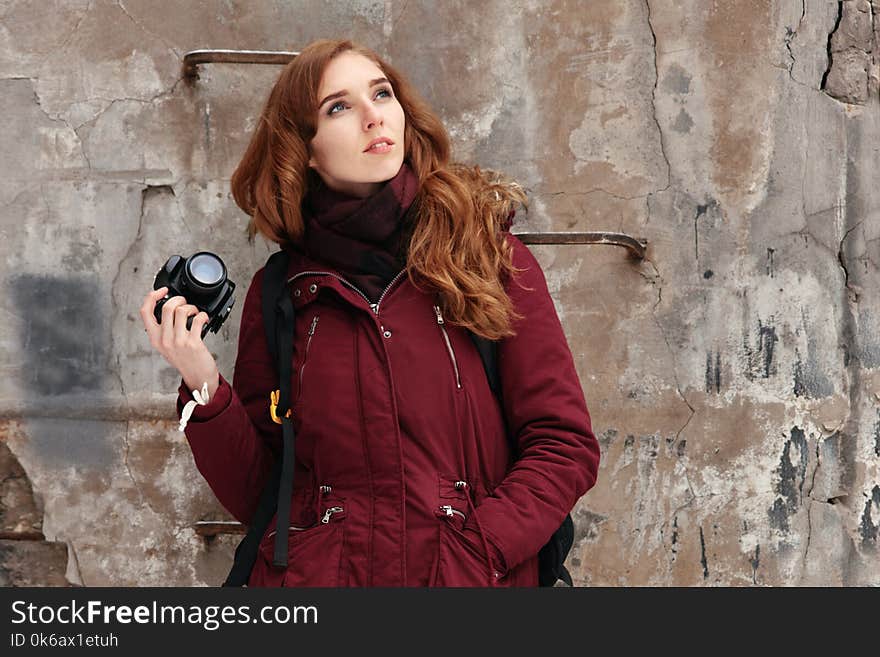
column 329, row 512
column 385, row 291
column 448, row 344
column 449, row 511
column 373, row 306
column 308, row 346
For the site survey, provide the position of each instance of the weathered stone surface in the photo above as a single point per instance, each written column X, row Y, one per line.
column 848, row 78
column 856, row 27
column 32, row 563
column 852, row 72
column 20, row 516
column 733, row 376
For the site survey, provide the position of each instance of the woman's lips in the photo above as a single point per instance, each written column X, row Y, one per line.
column 379, row 146
column 380, row 149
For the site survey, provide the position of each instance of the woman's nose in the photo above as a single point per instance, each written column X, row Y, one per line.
column 372, row 117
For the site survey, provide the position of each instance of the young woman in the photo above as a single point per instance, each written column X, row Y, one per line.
column 405, row 473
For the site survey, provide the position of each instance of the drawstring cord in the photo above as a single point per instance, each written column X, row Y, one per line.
column 493, row 574
column 199, row 398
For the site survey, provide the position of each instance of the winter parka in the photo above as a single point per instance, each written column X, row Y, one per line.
column 404, row 475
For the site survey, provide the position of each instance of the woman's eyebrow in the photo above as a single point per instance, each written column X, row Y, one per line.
column 344, row 92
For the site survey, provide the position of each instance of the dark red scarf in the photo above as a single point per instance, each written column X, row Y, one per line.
column 364, row 239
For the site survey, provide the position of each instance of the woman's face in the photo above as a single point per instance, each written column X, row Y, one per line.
column 356, row 105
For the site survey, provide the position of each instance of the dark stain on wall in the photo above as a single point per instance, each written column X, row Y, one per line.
column 868, row 528
column 586, row 525
column 60, row 333
column 755, row 562
column 605, row 438
column 677, row 80
column 681, row 447
column 713, row 372
column 759, row 361
column 703, row 211
column 703, row 560
column 810, row 380
column 790, row 486
column 674, row 538
column 90, row 445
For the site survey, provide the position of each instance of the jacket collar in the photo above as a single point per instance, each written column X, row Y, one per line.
column 307, row 277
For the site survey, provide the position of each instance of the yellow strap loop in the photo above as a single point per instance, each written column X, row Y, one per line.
column 274, row 398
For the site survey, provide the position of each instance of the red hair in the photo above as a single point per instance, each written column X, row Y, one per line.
column 457, row 248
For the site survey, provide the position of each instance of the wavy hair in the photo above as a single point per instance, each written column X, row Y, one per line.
column 457, row 247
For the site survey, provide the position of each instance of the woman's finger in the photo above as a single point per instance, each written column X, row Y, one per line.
column 151, row 327
column 181, row 333
column 149, row 304
column 168, row 319
column 199, row 323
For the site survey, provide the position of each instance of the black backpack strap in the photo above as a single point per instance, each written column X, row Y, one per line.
column 488, row 350
column 284, row 330
column 274, row 284
column 246, row 552
column 274, row 281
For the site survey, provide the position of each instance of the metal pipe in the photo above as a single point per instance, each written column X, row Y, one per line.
column 193, row 58
column 636, row 246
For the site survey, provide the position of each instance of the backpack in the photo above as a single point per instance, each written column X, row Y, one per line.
column 278, row 316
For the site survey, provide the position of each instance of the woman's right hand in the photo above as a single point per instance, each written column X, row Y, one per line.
column 182, row 348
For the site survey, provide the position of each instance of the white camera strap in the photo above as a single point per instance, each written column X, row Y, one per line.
column 200, row 398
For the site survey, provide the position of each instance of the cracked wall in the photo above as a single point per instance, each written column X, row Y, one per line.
column 732, row 376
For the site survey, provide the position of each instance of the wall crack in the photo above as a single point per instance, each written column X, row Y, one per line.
column 654, row 100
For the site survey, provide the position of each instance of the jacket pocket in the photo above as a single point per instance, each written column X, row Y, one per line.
column 314, row 554
column 461, row 559
column 460, row 562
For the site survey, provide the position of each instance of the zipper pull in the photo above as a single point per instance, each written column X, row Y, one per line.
column 439, row 314
column 449, row 511
column 329, row 512
column 312, row 327
column 375, row 307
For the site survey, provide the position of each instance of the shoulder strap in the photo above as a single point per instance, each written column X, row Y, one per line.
column 278, row 321
column 488, row 350
column 281, row 477
column 273, row 283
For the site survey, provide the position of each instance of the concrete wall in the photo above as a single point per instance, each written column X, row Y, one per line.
column 733, row 376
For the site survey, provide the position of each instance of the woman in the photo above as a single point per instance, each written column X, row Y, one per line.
column 404, row 472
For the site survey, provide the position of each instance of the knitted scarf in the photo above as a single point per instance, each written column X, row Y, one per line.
column 365, row 239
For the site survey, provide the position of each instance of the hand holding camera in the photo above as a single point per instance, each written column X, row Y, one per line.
column 177, row 324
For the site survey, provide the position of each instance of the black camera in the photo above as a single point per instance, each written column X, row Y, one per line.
column 201, row 279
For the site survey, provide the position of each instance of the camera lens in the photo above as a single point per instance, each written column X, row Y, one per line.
column 205, row 271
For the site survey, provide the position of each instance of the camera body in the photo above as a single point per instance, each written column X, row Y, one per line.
column 201, row 279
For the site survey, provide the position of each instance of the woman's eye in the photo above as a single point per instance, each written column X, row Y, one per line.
column 334, row 106
column 387, row 92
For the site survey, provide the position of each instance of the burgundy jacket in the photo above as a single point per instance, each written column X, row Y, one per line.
column 404, row 475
